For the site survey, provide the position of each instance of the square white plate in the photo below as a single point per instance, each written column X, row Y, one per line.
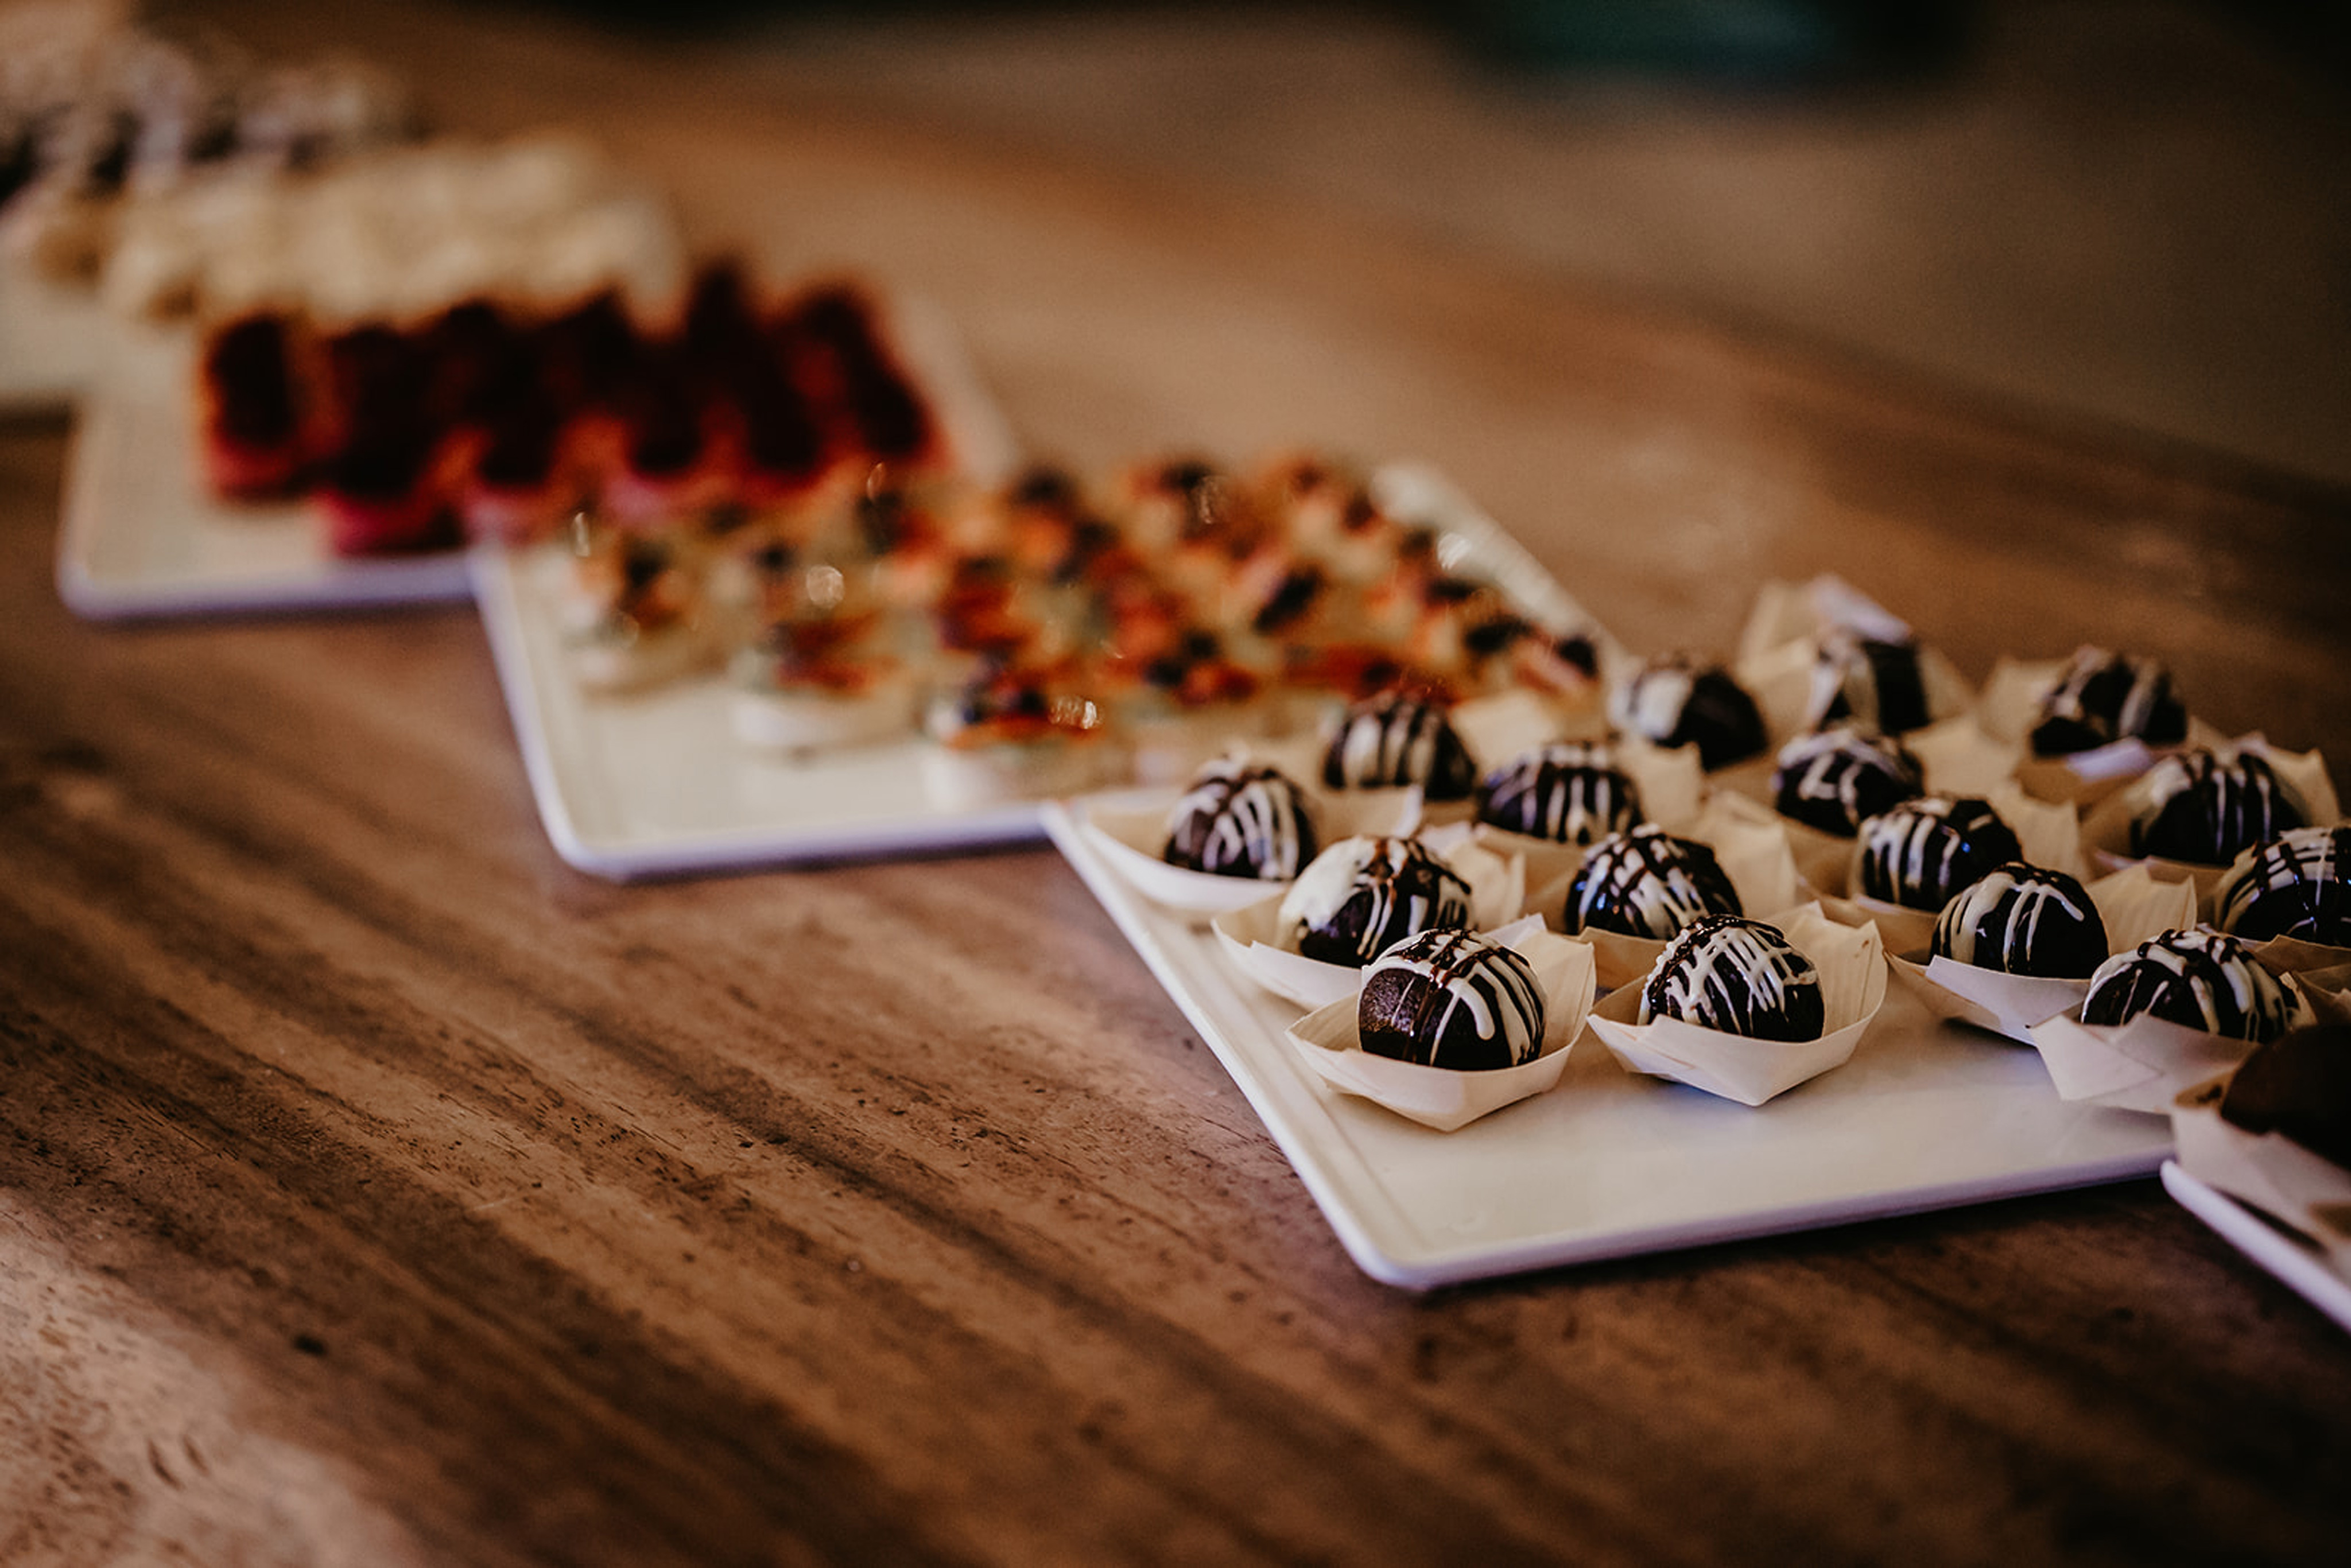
column 657, row 784
column 1609, row 1165
column 143, row 535
column 2296, row 1265
column 49, row 340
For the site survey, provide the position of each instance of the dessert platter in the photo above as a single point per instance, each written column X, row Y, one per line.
column 1831, row 959
column 725, row 763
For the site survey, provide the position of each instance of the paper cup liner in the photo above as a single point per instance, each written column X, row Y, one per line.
column 1443, row 1098
column 2267, row 1170
column 1751, row 841
column 1496, row 730
column 2134, row 906
column 1751, row 1071
column 1822, row 859
column 1673, row 786
column 1959, row 759
column 1129, row 827
column 1253, row 943
column 2142, row 1065
column 1903, row 930
column 2316, row 963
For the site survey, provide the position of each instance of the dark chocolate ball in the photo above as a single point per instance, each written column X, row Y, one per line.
column 1924, row 850
column 1839, row 779
column 1569, row 792
column 2209, row 807
column 1237, row 820
column 2294, row 885
column 1452, row 998
column 2103, row 697
column 1646, row 882
column 1739, row 976
column 1877, row 683
column 2204, row 979
column 1394, row 739
column 1364, row 894
column 2299, row 1087
column 1671, row 702
column 2024, row 920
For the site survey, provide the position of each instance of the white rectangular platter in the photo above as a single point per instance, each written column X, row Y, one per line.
column 2294, row 1264
column 1610, row 1164
column 49, row 340
column 142, row 537
column 656, row 784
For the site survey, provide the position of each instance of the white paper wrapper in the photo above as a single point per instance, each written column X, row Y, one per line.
column 1440, row 1097
column 1672, row 785
column 1130, row 828
column 1780, row 647
column 2142, row 1065
column 1824, row 860
column 2272, row 1172
column 1251, row 937
column 1902, row 930
column 2106, row 829
column 1961, row 759
column 1498, row 728
column 1852, row 987
column 2317, row 965
column 2134, row 906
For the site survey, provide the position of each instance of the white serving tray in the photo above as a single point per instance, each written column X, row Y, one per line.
column 656, row 784
column 49, row 340
column 142, row 536
column 1609, row 1165
column 2296, row 1265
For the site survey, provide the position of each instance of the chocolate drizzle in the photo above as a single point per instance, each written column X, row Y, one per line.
column 1394, row 739
column 2202, row 980
column 1862, row 678
column 1672, row 701
column 2103, row 697
column 1739, row 976
column 1242, row 820
column 1361, row 895
column 2208, row 807
column 2024, row 920
column 1922, row 852
column 1840, row 778
column 1568, row 792
column 1454, row 999
column 1646, row 882
column 2291, row 886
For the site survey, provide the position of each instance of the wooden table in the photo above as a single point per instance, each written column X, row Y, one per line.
column 375, row 1190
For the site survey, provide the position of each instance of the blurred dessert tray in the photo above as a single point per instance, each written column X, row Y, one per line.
column 1610, row 1164
column 655, row 784
column 142, row 536
column 48, row 333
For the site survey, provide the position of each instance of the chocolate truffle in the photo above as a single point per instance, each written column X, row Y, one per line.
column 1874, row 683
column 1839, row 779
column 1646, row 882
column 2024, row 920
column 2291, row 886
column 2208, row 807
column 2103, row 697
column 1394, row 739
column 1568, row 792
column 1924, row 850
column 1363, row 895
column 1237, row 820
column 2201, row 979
column 1739, row 976
column 1670, row 702
column 1452, row 998
column 2299, row 1087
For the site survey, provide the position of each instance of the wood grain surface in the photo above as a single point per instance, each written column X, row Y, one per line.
column 373, row 1189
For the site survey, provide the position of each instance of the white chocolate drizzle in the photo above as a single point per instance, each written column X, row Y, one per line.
column 1730, row 974
column 2201, row 979
column 2291, row 886
column 1568, row 792
column 1475, row 990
